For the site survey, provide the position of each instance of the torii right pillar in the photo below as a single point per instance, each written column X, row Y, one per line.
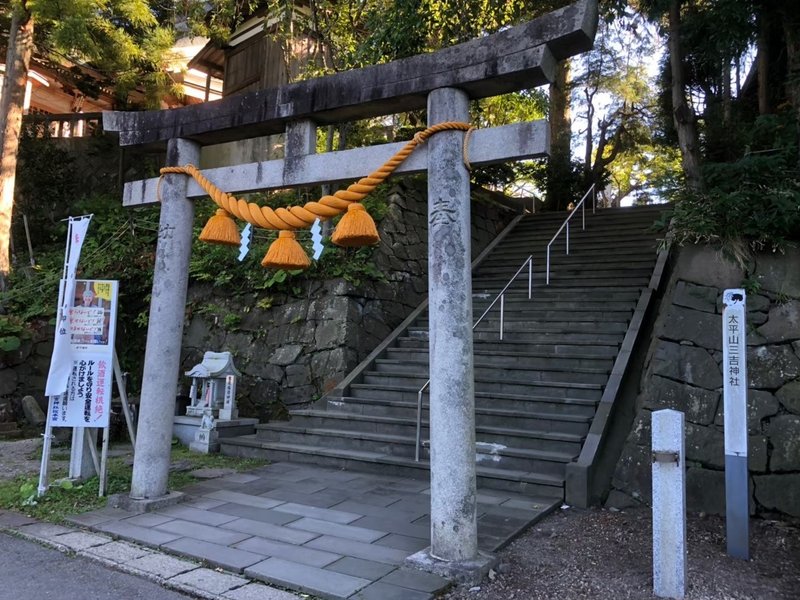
column 454, row 530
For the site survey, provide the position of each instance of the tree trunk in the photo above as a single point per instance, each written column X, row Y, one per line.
column 18, row 59
column 559, row 166
column 762, row 65
column 682, row 112
column 791, row 29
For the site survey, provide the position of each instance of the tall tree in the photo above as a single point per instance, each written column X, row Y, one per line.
column 18, row 60
column 682, row 112
column 121, row 38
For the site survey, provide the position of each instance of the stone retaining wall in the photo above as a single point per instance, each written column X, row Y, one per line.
column 683, row 372
column 303, row 345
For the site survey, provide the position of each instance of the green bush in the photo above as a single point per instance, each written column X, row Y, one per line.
column 747, row 205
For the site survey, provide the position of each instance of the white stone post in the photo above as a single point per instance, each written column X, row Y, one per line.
column 669, row 504
column 454, row 531
column 165, row 330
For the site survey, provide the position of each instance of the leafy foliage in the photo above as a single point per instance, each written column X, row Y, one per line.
column 749, row 204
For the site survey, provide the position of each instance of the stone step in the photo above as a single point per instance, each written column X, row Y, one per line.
column 524, row 309
column 573, row 288
column 499, row 455
column 559, row 280
column 491, row 344
column 490, row 417
column 497, row 358
column 577, row 270
column 409, row 393
column 577, row 267
column 550, row 296
column 496, row 383
column 520, row 302
column 529, row 484
column 533, row 324
column 405, row 406
column 536, row 337
column 579, row 242
column 508, row 374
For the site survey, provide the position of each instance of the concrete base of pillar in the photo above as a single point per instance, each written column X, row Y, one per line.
column 143, row 505
column 466, row 572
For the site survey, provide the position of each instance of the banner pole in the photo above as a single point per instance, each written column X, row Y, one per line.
column 48, row 438
column 104, row 462
column 123, row 396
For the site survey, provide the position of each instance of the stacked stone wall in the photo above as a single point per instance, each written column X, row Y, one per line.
column 683, row 372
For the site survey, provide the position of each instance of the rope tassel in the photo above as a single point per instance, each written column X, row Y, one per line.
column 356, row 228
column 221, row 229
column 286, row 253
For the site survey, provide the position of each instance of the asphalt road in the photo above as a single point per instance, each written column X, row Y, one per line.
column 29, row 571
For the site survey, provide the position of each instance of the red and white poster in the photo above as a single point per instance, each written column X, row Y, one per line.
column 91, row 328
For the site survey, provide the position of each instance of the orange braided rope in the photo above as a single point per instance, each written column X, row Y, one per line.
column 299, row 217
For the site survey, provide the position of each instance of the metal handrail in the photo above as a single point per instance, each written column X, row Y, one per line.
column 581, row 204
column 501, row 296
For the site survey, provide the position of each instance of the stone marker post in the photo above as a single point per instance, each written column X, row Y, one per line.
column 669, row 504
column 165, row 330
column 454, row 532
column 734, row 386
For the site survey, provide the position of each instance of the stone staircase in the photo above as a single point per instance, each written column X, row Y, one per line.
column 536, row 391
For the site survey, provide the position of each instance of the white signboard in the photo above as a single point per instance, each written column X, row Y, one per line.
column 91, row 329
column 734, row 372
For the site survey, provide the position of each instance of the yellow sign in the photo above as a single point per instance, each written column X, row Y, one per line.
column 102, row 290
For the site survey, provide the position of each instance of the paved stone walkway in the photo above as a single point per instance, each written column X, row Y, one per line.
column 331, row 533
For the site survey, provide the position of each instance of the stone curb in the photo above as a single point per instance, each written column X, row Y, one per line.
column 123, row 567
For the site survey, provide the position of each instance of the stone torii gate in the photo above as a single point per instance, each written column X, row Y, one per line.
column 517, row 58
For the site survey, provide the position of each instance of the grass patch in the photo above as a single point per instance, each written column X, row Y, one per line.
column 65, row 498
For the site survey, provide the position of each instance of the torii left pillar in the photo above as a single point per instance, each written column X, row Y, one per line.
column 164, row 334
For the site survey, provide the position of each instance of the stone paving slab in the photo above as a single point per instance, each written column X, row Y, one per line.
column 232, row 559
column 147, row 520
column 385, row 591
column 374, row 552
column 207, row 580
column 404, row 542
column 197, row 515
column 415, row 580
column 161, row 565
column 369, row 510
column 80, row 540
column 12, row 519
column 256, row 591
column 203, row 503
column 360, row 534
column 243, row 499
column 358, row 567
column 305, row 555
column 270, row 531
column 257, row 514
column 420, row 530
column 117, row 552
column 326, row 514
column 205, row 533
column 320, row 582
column 135, row 533
column 321, row 499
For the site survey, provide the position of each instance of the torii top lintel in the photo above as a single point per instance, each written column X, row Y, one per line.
column 517, row 58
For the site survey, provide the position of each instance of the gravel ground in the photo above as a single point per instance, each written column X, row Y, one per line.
column 23, row 457
column 576, row 554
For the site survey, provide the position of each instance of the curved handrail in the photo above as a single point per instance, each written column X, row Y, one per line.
column 581, row 204
column 501, row 298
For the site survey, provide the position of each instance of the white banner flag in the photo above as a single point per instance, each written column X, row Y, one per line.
column 61, row 361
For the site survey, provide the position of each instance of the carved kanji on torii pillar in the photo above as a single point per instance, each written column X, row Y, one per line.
column 444, row 82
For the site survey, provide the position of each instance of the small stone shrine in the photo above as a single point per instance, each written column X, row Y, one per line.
column 212, row 411
column 213, row 387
